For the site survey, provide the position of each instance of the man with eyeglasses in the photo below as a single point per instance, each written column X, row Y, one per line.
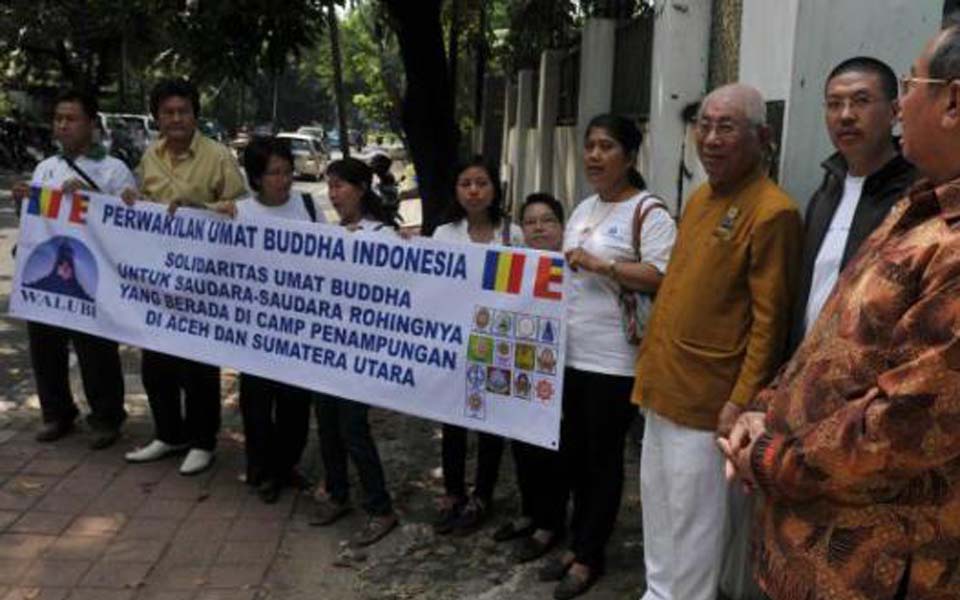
column 714, row 339
column 863, row 180
column 856, row 444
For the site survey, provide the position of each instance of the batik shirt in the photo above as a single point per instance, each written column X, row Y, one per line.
column 861, row 463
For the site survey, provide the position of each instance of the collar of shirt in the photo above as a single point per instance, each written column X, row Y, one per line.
column 754, row 178
column 926, row 200
column 191, row 149
column 95, row 152
column 894, row 168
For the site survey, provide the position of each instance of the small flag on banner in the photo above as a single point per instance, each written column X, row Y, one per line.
column 549, row 281
column 78, row 210
column 503, row 272
column 44, row 202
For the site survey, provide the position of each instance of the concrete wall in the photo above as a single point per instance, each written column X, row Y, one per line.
column 789, row 46
column 681, row 43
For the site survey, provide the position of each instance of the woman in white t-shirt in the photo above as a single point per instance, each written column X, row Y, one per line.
column 276, row 416
column 605, row 257
column 343, row 424
column 475, row 217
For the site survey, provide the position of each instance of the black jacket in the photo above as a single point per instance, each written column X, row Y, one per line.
column 881, row 191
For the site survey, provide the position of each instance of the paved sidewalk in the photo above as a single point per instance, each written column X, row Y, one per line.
column 78, row 524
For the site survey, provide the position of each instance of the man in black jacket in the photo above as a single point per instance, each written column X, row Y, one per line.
column 863, row 180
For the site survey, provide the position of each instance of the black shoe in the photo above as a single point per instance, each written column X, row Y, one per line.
column 269, row 491
column 530, row 548
column 509, row 531
column 448, row 516
column 104, row 438
column 53, row 431
column 473, row 516
column 572, row 585
column 553, row 570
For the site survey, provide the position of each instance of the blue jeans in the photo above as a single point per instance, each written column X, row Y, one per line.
column 345, row 431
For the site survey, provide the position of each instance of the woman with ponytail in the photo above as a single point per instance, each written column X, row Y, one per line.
column 343, row 425
column 617, row 243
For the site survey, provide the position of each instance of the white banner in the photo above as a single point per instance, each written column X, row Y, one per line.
column 464, row 334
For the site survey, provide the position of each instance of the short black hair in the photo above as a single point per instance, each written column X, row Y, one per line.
column 257, row 155
column 945, row 61
column 547, row 200
column 873, row 66
column 455, row 212
column 86, row 100
column 168, row 88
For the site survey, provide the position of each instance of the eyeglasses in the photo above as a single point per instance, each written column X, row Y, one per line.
column 856, row 104
column 907, row 82
column 723, row 128
column 541, row 221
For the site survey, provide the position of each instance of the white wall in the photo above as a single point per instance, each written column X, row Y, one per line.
column 766, row 45
column 681, row 44
column 788, row 48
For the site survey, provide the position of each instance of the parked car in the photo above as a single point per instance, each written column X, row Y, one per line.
column 313, row 131
column 213, row 130
column 309, row 159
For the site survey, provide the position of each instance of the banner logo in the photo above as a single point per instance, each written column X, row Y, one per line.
column 44, row 202
column 503, row 272
column 61, row 274
column 549, row 281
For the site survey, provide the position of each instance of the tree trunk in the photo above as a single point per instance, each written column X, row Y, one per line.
column 338, row 79
column 454, row 51
column 427, row 116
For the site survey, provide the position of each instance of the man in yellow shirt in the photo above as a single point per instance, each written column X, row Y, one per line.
column 716, row 335
column 183, row 168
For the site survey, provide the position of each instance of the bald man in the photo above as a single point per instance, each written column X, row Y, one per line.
column 716, row 335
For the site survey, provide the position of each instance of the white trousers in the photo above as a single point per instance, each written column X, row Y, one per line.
column 684, row 496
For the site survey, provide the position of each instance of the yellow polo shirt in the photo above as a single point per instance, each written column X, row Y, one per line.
column 718, row 328
column 207, row 172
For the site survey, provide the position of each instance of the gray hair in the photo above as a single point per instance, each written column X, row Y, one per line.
column 748, row 98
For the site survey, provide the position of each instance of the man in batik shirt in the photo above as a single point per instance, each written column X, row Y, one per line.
column 856, row 445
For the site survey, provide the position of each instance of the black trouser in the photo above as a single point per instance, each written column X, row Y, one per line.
column 276, row 421
column 100, row 370
column 197, row 421
column 454, row 459
column 597, row 414
column 543, row 487
column 345, row 431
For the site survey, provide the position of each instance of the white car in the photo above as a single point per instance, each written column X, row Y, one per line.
column 309, row 159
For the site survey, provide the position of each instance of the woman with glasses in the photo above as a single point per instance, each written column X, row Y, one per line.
column 276, row 415
column 543, row 497
column 474, row 218
column 617, row 243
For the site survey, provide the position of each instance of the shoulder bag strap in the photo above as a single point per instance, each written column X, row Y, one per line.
column 83, row 175
column 640, row 215
column 309, row 206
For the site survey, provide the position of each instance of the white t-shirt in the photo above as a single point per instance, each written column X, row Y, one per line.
column 371, row 227
column 293, row 209
column 826, row 269
column 458, row 232
column 109, row 173
column 596, row 340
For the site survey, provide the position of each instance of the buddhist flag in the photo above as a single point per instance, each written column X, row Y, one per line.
column 549, row 281
column 78, row 210
column 503, row 272
column 44, row 202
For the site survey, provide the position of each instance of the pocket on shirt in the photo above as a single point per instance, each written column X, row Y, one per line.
column 716, row 347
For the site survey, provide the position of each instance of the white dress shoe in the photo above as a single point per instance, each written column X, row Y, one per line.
column 197, row 461
column 155, row 450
